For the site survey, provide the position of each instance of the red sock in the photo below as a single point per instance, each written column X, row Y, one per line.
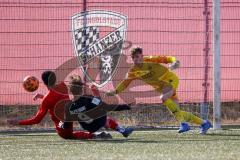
column 82, row 135
column 111, row 123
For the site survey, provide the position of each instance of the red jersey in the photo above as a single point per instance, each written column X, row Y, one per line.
column 54, row 95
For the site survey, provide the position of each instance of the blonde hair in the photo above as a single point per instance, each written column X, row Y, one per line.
column 75, row 85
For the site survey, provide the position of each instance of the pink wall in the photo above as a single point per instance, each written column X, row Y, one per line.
column 36, row 36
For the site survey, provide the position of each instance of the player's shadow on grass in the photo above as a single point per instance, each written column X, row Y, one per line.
column 115, row 141
column 208, row 137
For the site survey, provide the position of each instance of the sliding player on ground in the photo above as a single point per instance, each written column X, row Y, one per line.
column 91, row 111
column 56, row 93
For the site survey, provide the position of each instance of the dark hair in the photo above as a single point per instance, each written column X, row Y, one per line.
column 136, row 50
column 49, row 78
column 75, row 85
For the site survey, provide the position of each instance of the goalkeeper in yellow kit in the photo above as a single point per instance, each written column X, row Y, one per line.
column 150, row 70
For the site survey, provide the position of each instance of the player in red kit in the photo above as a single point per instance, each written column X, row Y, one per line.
column 56, row 93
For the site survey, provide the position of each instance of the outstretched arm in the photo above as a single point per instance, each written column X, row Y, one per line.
column 174, row 63
column 38, row 117
column 159, row 59
column 38, row 96
column 123, row 84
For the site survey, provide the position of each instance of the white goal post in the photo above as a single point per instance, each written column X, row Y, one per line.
column 216, row 66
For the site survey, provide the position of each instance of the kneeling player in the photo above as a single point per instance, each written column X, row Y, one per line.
column 91, row 111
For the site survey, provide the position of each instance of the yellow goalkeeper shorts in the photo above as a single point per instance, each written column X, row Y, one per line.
column 168, row 79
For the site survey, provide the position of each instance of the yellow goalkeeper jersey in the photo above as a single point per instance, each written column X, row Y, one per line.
column 151, row 72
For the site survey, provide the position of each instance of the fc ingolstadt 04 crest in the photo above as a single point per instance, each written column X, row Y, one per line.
column 98, row 38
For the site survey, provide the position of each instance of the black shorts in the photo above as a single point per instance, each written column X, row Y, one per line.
column 95, row 125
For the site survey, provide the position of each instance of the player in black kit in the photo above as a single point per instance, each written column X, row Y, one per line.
column 91, row 111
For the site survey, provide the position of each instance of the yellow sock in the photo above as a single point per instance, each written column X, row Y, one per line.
column 189, row 117
column 180, row 115
column 171, row 105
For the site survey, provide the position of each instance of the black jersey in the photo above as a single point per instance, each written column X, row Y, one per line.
column 84, row 103
column 90, row 114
